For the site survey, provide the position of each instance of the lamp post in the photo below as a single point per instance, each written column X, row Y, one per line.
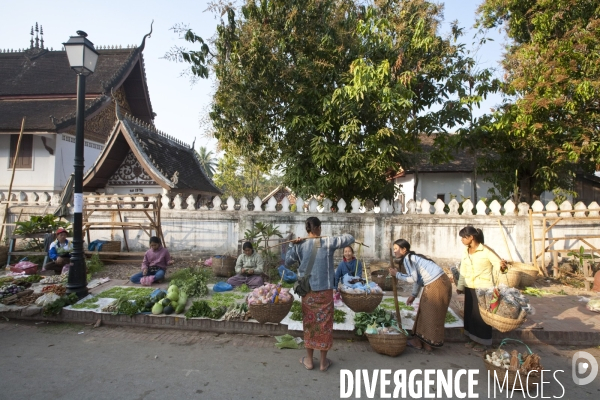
column 82, row 59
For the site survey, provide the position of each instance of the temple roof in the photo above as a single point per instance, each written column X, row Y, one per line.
column 171, row 163
column 39, row 84
column 462, row 160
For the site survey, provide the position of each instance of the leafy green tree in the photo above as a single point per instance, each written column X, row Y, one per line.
column 207, row 160
column 548, row 128
column 335, row 93
column 237, row 177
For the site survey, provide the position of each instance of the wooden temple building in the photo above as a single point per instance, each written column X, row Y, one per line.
column 123, row 155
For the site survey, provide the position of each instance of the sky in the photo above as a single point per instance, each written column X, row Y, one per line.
column 180, row 107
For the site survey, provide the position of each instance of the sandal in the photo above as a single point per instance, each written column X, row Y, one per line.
column 479, row 348
column 470, row 344
column 410, row 344
column 329, row 364
column 305, row 366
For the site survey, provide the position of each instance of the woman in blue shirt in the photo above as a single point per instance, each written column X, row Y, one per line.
column 350, row 265
column 431, row 316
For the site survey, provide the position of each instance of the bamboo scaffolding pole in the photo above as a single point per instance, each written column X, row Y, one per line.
column 12, row 178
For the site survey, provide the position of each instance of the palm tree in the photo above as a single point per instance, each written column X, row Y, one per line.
column 207, row 160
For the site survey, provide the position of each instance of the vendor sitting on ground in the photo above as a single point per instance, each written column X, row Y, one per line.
column 350, row 265
column 59, row 253
column 249, row 267
column 156, row 260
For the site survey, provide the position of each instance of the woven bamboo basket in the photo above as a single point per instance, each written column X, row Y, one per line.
column 512, row 278
column 270, row 312
column 529, row 273
column 223, row 266
column 110, row 246
column 366, row 302
column 382, row 279
column 531, row 381
column 389, row 345
column 498, row 322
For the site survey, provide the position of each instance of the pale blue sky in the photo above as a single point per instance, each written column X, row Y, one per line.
column 179, row 106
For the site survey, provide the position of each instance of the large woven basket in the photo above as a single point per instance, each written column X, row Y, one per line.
column 502, row 324
column 381, row 277
column 529, row 273
column 389, row 345
column 366, row 302
column 534, row 378
column 223, row 266
column 270, row 312
column 113, row 246
column 512, row 278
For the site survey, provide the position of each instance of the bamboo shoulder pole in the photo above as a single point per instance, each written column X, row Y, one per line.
column 12, row 178
column 395, row 288
column 505, row 241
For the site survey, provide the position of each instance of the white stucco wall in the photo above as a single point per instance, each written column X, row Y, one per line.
column 65, row 158
column 49, row 172
column 210, row 232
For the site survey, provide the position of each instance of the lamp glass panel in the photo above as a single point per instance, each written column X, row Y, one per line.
column 75, row 55
column 90, row 59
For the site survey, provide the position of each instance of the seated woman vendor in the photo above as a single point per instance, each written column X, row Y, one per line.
column 349, row 265
column 156, row 260
column 59, row 252
column 248, row 268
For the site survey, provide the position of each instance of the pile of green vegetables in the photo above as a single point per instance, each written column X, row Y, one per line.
column 192, row 281
column 379, row 317
column 173, row 301
column 201, row 308
column 56, row 306
column 388, row 304
column 224, row 299
column 339, row 316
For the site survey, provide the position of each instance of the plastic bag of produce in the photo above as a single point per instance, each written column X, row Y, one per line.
column 46, row 299
column 594, row 304
column 286, row 342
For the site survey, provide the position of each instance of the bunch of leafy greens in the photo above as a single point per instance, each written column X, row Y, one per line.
column 380, row 317
column 56, row 306
column 192, row 281
column 201, row 308
column 296, row 311
column 224, row 299
column 128, row 292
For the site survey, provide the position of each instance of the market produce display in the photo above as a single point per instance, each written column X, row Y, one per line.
column 504, row 301
column 353, row 285
column 380, row 318
column 55, row 279
column 269, row 293
column 339, row 316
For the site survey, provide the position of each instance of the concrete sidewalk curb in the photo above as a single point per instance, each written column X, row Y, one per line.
column 33, row 313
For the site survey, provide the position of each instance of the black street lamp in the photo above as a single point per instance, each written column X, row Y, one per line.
column 82, row 58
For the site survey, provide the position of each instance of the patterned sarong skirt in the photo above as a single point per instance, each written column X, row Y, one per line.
column 317, row 309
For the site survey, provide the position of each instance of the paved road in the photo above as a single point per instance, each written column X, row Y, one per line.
column 67, row 361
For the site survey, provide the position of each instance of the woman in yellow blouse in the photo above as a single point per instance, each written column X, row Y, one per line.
column 479, row 269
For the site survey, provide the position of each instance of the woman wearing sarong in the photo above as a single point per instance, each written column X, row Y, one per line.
column 478, row 266
column 431, row 316
column 317, row 306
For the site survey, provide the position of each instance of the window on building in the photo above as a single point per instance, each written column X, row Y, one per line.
column 442, row 197
column 25, row 158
